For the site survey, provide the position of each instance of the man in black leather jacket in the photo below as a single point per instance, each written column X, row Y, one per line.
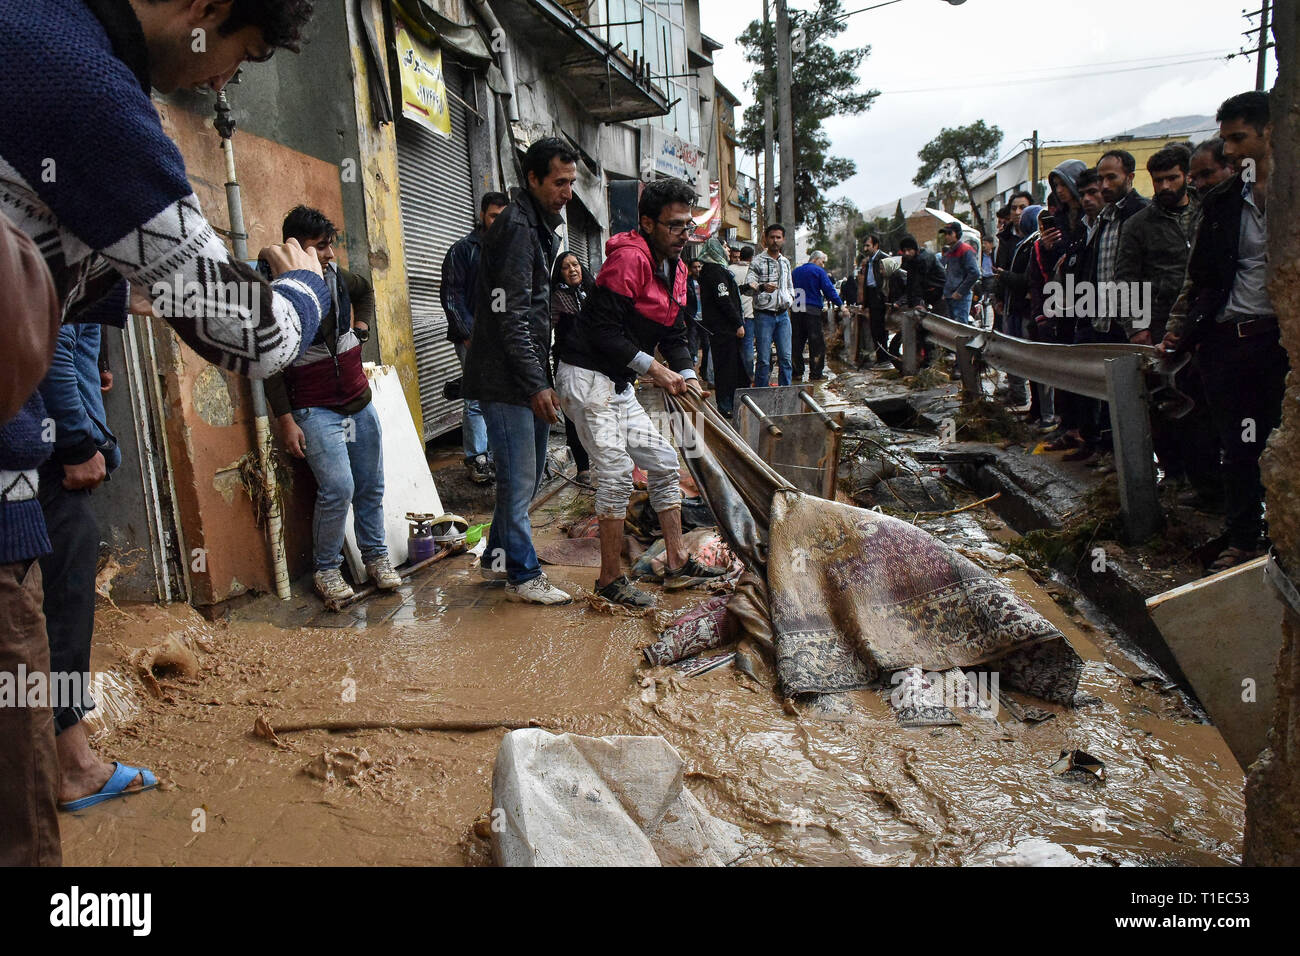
column 509, row 367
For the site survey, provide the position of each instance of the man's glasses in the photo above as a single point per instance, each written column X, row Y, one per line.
column 675, row 228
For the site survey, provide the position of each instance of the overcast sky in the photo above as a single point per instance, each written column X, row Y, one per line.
column 924, row 44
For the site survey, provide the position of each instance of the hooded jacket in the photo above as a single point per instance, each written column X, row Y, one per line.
column 635, row 308
column 1068, row 172
column 961, row 269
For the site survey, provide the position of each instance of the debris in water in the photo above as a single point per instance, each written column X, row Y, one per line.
column 695, row 666
column 1078, row 762
column 345, row 766
column 171, row 657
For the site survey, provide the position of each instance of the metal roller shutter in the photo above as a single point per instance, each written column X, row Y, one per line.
column 437, row 201
column 577, row 240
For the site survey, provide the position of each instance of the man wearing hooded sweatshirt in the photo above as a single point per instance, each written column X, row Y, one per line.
column 1066, row 231
column 638, row 306
column 961, row 272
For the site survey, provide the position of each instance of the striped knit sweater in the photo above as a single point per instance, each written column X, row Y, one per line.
column 87, row 171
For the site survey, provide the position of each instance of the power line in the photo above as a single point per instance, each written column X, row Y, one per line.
column 1086, row 66
column 1050, row 79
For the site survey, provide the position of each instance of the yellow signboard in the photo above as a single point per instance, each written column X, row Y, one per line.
column 424, row 93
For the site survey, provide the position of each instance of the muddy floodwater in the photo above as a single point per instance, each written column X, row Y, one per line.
column 450, row 648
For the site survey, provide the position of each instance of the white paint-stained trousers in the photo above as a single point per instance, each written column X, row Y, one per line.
column 617, row 433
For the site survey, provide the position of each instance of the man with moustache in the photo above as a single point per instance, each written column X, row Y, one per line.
column 1232, row 319
column 1153, row 251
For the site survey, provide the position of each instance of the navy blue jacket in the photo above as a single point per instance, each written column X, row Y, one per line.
column 459, row 291
column 73, row 399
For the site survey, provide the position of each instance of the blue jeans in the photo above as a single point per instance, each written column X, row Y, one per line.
column 769, row 326
column 472, row 429
column 959, row 309
column 747, row 349
column 518, row 440
column 346, row 454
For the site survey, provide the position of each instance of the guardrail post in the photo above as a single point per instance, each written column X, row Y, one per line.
column 968, row 364
column 1135, row 467
column 911, row 342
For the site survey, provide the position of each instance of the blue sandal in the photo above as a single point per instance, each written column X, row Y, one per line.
column 115, row 787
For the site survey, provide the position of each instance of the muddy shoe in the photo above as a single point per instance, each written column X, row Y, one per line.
column 480, row 469
column 488, row 574
column 382, row 573
column 331, row 587
column 1232, row 556
column 690, row 573
column 537, row 590
column 623, row 591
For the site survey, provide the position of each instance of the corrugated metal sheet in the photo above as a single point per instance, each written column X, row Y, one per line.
column 577, row 240
column 437, row 199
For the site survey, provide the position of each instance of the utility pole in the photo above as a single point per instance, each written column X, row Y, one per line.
column 1033, row 165
column 769, row 157
column 785, row 109
column 1261, row 61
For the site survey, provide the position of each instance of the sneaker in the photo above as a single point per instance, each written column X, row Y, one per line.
column 480, row 469
column 382, row 573
column 690, row 573
column 331, row 587
column 623, row 591
column 537, row 590
column 488, row 574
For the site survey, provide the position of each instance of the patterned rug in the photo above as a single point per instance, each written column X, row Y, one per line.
column 856, row 595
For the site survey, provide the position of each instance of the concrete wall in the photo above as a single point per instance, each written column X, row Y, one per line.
column 209, row 412
column 296, row 141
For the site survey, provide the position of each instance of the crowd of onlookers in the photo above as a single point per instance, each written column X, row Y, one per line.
column 1183, row 271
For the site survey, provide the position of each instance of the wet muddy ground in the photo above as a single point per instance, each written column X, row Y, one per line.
column 448, row 647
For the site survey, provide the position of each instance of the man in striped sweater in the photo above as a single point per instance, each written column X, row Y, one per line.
column 87, row 172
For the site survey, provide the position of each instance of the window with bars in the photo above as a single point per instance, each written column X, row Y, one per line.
column 658, row 34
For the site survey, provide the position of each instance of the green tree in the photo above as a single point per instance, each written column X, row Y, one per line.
column 825, row 85
column 949, row 160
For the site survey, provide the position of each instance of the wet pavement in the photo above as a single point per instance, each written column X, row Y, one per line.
column 805, row 790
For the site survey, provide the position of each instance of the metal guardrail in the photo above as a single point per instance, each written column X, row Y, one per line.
column 1130, row 378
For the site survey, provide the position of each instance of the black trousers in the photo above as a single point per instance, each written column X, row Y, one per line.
column 808, row 329
column 1093, row 415
column 729, row 371
column 69, row 574
column 879, row 332
column 1245, row 379
column 1188, row 447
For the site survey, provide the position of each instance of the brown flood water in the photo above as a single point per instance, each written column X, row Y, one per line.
column 806, row 791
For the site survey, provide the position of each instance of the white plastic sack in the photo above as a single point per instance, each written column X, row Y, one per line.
column 570, row 800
